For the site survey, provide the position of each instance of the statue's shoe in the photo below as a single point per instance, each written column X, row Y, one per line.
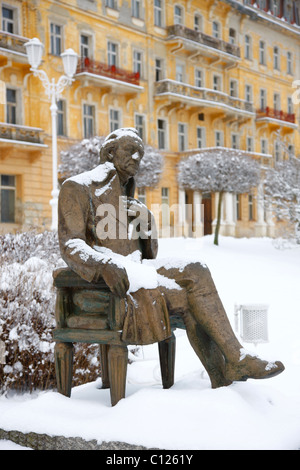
column 252, row 367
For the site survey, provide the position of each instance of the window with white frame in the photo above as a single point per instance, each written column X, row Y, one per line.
column 248, row 48
column 159, row 75
column 233, row 88
column 88, row 120
column 289, row 63
column 165, row 219
column 262, row 52
column 158, row 13
column 178, row 14
column 7, row 198
column 136, row 8
column 201, row 137
column 277, row 151
column 111, row 4
column 140, row 125
column 219, row 138
column 12, row 115
column 112, row 53
column 162, row 134
column 234, row 141
column 264, row 145
column 56, row 39
column 290, row 108
column 276, row 101
column 182, row 138
column 217, row 83
column 262, row 99
column 248, row 93
column 249, row 143
column 179, row 72
column 198, row 21
column 61, row 117
column 250, row 207
column 85, row 45
column 9, row 19
column 276, row 58
column 215, row 29
column 232, row 36
column 114, row 119
column 138, row 62
column 199, row 78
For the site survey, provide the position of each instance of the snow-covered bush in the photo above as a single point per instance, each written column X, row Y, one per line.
column 27, row 302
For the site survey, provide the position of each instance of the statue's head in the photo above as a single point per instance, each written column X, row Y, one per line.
column 125, row 149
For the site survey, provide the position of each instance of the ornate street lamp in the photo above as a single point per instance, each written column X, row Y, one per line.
column 34, row 50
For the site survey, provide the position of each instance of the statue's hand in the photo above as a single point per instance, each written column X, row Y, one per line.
column 116, row 278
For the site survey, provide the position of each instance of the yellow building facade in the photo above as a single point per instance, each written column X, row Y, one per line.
column 189, row 75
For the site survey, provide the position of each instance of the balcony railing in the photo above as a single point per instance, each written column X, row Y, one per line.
column 203, row 39
column 19, row 133
column 87, row 65
column 13, row 42
column 206, row 96
column 276, row 114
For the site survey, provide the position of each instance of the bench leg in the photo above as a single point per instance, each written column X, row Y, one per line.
column 166, row 350
column 104, row 365
column 117, row 371
column 63, row 354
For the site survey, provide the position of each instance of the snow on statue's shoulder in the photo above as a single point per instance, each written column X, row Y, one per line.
column 97, row 175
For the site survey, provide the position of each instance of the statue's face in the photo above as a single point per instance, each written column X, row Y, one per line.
column 126, row 158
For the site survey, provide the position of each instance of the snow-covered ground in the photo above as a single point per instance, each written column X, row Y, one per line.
column 246, row 415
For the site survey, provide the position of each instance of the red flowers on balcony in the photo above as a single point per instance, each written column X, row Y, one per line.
column 87, row 65
column 276, row 114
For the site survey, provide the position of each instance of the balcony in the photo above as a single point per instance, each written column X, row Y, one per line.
column 108, row 76
column 12, row 46
column 206, row 45
column 23, row 135
column 276, row 117
column 212, row 100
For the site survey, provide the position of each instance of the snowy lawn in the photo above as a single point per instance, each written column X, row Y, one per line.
column 190, row 415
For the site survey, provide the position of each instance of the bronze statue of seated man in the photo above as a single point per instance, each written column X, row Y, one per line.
column 96, row 222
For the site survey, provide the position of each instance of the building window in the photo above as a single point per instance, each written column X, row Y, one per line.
column 178, row 15
column 200, row 137
column 198, row 22
column 140, row 125
column 276, row 58
column 114, row 119
column 276, row 101
column 112, row 53
column 275, row 7
column 138, row 63
column 219, row 138
column 234, row 141
column 264, row 146
column 215, row 29
column 198, row 78
column 61, row 117
column 248, row 93
column 262, row 99
column 158, row 13
column 238, row 207
column 233, row 91
column 248, row 52
column 111, row 4
column 262, row 53
column 162, row 134
column 277, row 152
column 181, row 137
column 289, row 63
column 85, row 45
column 165, row 219
column 249, row 144
column 217, row 83
column 9, row 19
column 232, row 36
column 290, row 108
column 88, row 121
column 11, row 106
column 250, row 207
column 55, row 39
column 179, row 72
column 158, row 70
column 136, row 8
column 7, row 198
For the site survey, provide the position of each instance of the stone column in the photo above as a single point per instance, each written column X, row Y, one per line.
column 181, row 218
column 260, row 226
column 229, row 221
column 197, row 213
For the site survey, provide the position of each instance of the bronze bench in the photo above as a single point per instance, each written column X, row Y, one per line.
column 89, row 313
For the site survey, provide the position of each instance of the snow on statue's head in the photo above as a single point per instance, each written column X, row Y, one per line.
column 117, row 137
